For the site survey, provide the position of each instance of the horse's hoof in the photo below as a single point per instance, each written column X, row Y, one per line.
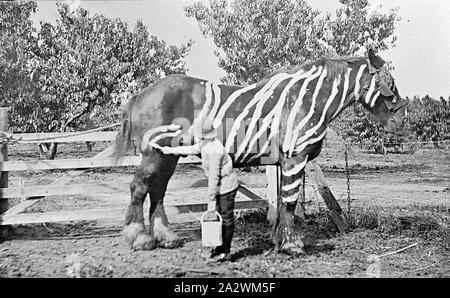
column 172, row 242
column 287, row 241
column 132, row 231
column 144, row 242
column 292, row 247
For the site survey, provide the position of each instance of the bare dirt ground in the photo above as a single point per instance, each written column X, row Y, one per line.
column 398, row 200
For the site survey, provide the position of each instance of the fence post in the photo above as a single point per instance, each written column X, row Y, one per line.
column 314, row 172
column 300, row 210
column 4, row 125
column 273, row 190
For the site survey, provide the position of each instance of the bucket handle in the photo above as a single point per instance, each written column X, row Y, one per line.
column 217, row 213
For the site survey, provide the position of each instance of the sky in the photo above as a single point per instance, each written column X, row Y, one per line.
column 421, row 56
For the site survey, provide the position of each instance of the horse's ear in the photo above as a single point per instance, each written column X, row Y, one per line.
column 375, row 60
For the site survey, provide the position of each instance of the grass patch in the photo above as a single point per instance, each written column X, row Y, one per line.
column 431, row 223
column 428, row 222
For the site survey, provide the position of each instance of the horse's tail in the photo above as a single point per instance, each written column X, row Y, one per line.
column 124, row 138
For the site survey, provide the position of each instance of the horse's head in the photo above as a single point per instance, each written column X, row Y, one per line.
column 381, row 96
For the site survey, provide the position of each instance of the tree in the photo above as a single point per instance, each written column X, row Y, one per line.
column 95, row 61
column 18, row 44
column 255, row 38
column 356, row 127
column 355, row 28
column 429, row 120
column 87, row 66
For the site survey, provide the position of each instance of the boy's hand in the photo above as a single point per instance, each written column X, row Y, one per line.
column 211, row 206
column 174, row 127
column 211, row 216
column 166, row 150
column 211, row 212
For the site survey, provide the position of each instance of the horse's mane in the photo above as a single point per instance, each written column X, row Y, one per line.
column 335, row 66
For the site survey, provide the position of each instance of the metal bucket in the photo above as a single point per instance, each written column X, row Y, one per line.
column 211, row 231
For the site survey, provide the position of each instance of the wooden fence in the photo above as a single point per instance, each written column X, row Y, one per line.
column 31, row 194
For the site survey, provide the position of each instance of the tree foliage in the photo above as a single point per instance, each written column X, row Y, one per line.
column 18, row 47
column 428, row 119
column 355, row 27
column 356, row 126
column 78, row 67
column 255, row 38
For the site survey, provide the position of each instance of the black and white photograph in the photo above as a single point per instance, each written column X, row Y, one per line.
column 225, row 146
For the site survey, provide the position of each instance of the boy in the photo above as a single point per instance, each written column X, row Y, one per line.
column 222, row 181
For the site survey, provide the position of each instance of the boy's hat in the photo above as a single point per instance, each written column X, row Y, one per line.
column 203, row 128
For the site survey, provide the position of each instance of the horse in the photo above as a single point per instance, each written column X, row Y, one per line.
column 281, row 119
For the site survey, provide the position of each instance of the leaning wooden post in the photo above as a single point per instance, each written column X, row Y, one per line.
column 4, row 125
column 273, row 190
column 300, row 210
column 314, row 171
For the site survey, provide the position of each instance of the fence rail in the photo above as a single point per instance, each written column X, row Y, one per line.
column 114, row 213
column 82, row 163
column 106, row 188
column 65, row 137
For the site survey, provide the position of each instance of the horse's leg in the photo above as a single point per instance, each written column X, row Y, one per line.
column 283, row 234
column 134, row 227
column 159, row 225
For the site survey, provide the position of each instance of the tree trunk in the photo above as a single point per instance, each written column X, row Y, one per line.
column 48, row 150
column 89, row 145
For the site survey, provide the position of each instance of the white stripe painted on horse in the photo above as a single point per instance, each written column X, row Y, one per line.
column 290, row 199
column 278, row 109
column 291, row 186
column 309, row 133
column 357, row 79
column 150, row 132
column 261, row 94
column 370, row 91
column 276, row 114
column 153, row 142
column 217, row 96
column 296, row 77
column 344, row 92
column 270, row 120
column 165, row 135
column 208, row 95
column 302, row 146
column 258, row 134
column 206, row 104
column 226, row 105
column 296, row 169
column 257, row 114
column 296, row 107
column 310, row 112
column 374, row 99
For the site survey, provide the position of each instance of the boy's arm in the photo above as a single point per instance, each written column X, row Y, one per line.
column 214, row 159
column 182, row 150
